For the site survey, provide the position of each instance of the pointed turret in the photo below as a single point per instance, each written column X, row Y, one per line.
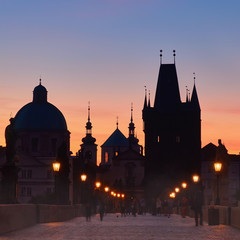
column 145, row 100
column 194, row 99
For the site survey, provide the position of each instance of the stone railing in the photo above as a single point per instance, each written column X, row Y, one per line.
column 223, row 215
column 18, row 216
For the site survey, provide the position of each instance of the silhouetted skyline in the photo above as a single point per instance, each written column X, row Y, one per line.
column 106, row 52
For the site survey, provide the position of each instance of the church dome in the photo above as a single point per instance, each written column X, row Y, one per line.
column 40, row 115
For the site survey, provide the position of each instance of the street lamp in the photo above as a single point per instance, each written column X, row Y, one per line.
column 184, row 185
column 106, row 189
column 98, row 185
column 195, row 178
column 56, row 167
column 177, row 189
column 217, row 168
column 83, row 177
column 172, row 195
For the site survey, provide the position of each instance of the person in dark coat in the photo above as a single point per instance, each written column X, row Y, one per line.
column 88, row 211
column 197, row 202
column 101, row 209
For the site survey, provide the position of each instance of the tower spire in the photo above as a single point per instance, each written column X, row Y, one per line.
column 131, row 112
column 89, row 124
column 117, row 122
column 131, row 125
column 88, row 111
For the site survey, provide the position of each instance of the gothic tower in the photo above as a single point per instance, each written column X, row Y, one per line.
column 172, row 130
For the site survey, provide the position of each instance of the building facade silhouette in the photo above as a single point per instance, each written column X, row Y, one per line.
column 172, row 130
column 42, row 138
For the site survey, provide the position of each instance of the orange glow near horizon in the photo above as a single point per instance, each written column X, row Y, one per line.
column 104, row 124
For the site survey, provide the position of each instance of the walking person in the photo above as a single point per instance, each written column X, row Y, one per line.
column 197, row 202
column 88, row 211
column 101, row 209
column 184, row 205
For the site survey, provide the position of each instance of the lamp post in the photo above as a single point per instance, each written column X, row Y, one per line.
column 217, row 168
column 83, row 193
column 56, row 167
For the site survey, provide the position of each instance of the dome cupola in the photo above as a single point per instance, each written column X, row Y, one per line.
column 40, row 93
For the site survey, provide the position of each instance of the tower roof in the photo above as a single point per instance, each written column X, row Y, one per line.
column 167, row 96
column 116, row 139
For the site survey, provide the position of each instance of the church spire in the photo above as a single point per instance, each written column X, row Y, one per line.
column 89, row 124
column 88, row 139
column 131, row 124
column 117, row 122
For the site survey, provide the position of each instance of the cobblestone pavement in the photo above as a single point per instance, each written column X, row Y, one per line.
column 115, row 227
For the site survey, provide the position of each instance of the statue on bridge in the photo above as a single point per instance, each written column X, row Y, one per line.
column 11, row 138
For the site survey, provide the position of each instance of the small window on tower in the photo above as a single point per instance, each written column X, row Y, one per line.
column 106, row 157
column 158, row 139
column 116, row 153
column 177, row 139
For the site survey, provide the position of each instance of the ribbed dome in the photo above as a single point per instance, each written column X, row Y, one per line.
column 40, row 114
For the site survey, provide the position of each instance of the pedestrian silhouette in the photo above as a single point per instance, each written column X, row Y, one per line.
column 197, row 202
column 101, row 209
column 88, row 212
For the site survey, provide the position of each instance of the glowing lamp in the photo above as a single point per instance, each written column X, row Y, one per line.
column 106, row 189
column 184, row 185
column 217, row 167
column 195, row 178
column 177, row 189
column 98, row 184
column 83, row 177
column 172, row 195
column 56, row 166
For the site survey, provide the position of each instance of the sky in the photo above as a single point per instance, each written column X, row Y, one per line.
column 106, row 51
